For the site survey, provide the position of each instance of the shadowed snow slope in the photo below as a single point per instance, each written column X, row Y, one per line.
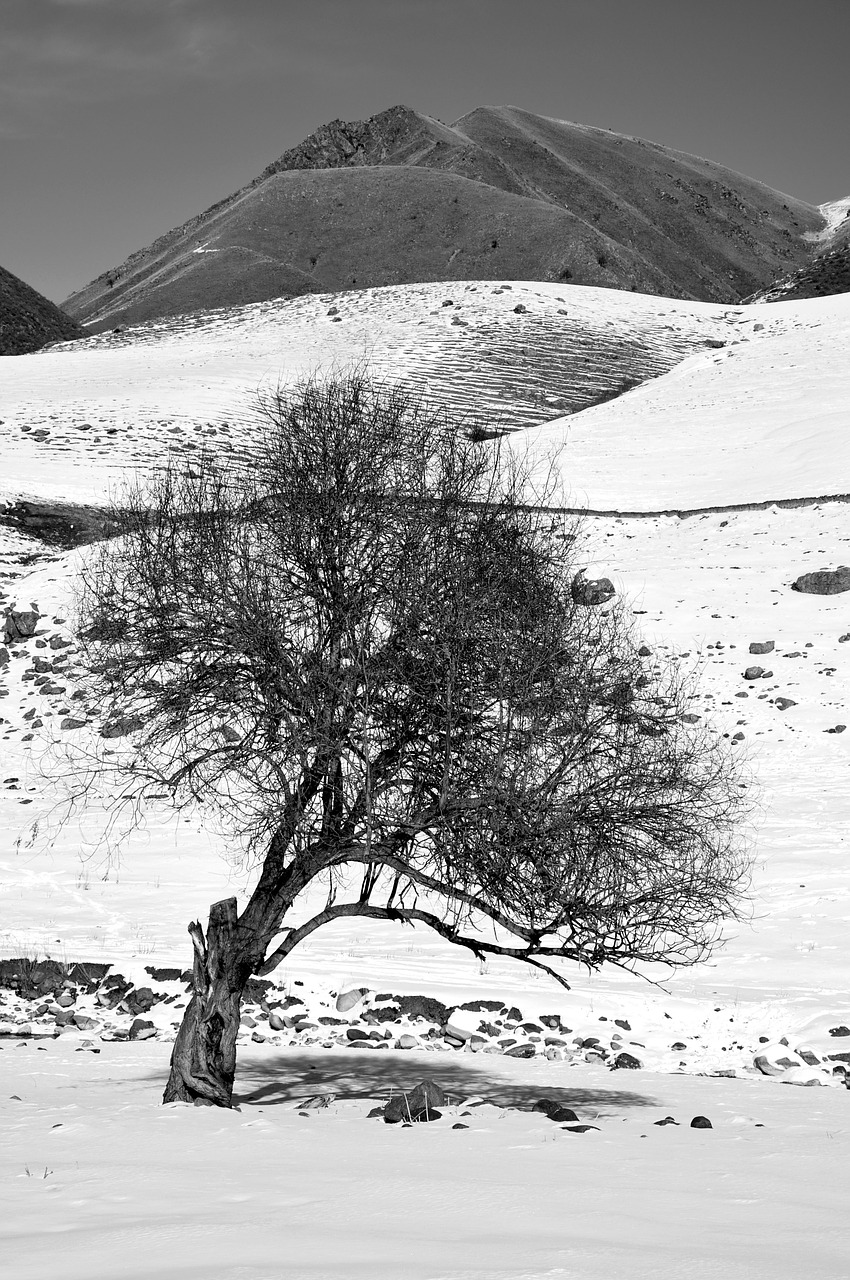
column 500, row 356
column 762, row 420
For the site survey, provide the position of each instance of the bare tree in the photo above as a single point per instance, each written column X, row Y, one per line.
column 361, row 650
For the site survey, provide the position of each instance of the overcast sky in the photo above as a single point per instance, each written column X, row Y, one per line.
column 119, row 119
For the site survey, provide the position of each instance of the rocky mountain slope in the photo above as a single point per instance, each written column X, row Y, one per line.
column 501, row 194
column 29, row 321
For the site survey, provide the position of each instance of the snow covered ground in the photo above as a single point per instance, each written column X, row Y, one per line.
column 135, row 1190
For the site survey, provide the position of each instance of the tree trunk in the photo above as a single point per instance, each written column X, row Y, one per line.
column 203, row 1061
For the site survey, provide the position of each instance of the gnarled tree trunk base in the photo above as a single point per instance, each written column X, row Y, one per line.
column 203, row 1061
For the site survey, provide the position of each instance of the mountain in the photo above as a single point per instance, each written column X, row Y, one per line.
column 500, row 194
column 29, row 321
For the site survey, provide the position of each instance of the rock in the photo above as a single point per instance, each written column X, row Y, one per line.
column 754, row 673
column 591, row 591
column 460, row 1126
column 140, row 1000
column 806, row 1077
column 579, row 1128
column 85, row 1023
column 419, row 1103
column 66, row 999
column 644, row 651
column 4, row 656
column 667, row 1120
column 839, row 728
column 841, row 639
column 554, row 1110
column 276, row 1021
column 121, row 727
column 775, row 1059
column 521, row 1051
column 163, row 975
column 626, row 1062
column 463, row 1024
column 784, row 703
column 407, row 1042
column 368, row 1044
column 346, row 1000
column 701, row 1122
column 842, row 1030
column 520, row 308
column 623, row 1023
column 513, row 1014
column 70, row 723
column 762, row 646
column 482, row 1006
column 141, row 1029
column 423, row 1007
column 355, row 1033
column 20, row 624
column 825, row 582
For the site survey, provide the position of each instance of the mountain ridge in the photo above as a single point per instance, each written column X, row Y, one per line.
column 621, row 212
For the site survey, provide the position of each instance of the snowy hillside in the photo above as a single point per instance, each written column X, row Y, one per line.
column 756, row 427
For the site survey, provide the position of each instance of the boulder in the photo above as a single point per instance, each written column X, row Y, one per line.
column 626, row 1062
column 463, row 1024
column 346, row 1000
column 591, row 591
column 807, row 1077
column 20, row 624
column 761, row 646
column 420, row 1103
column 521, row 1051
column 141, row 1029
column 754, row 673
column 121, row 727
column 423, row 1007
column 701, row 1122
column 824, row 582
column 776, row 1059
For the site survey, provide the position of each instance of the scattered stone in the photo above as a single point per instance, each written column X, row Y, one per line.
column 701, row 1122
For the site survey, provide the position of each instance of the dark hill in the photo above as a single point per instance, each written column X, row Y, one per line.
column 501, row 194
column 29, row 321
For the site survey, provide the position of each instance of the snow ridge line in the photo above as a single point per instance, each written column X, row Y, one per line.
column 684, row 513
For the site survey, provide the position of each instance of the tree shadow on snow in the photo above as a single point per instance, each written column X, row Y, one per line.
column 286, row 1077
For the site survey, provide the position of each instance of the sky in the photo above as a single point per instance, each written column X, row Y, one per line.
column 120, row 119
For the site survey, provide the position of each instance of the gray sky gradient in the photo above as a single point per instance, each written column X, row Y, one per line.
column 121, row 118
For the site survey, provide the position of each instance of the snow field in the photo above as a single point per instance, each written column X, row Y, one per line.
column 102, row 1183
column 135, row 1190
